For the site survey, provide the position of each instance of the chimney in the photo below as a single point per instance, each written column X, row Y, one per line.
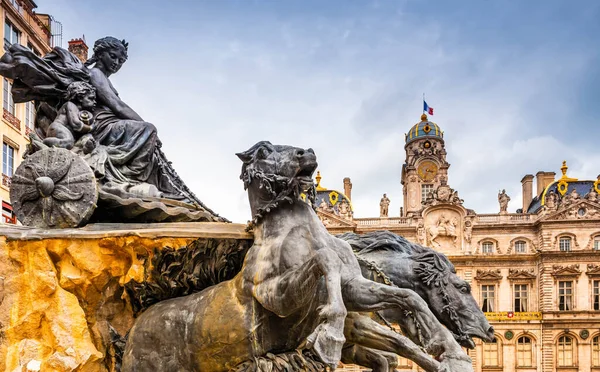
column 348, row 188
column 79, row 48
column 543, row 179
column 527, row 183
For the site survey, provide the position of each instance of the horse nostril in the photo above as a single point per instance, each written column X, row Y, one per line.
column 299, row 153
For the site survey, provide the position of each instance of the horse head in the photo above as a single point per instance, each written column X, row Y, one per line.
column 428, row 273
column 276, row 174
column 449, row 298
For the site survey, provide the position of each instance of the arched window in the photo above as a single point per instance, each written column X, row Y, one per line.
column 520, row 246
column 564, row 244
column 492, row 354
column 565, row 349
column 487, row 248
column 524, row 352
column 596, row 351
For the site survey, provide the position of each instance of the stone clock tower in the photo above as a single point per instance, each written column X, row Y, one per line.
column 425, row 167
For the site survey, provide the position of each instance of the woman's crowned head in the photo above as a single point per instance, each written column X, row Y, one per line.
column 110, row 52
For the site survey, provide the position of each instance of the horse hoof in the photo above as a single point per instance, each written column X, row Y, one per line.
column 327, row 343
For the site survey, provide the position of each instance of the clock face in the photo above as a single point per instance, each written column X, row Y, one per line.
column 427, row 170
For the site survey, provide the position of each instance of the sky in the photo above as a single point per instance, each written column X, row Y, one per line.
column 514, row 84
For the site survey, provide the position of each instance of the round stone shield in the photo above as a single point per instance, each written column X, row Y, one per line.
column 53, row 188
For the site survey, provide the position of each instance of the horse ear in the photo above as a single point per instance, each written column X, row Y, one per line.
column 439, row 264
column 261, row 150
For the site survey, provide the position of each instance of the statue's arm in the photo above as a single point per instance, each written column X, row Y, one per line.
column 108, row 97
column 75, row 124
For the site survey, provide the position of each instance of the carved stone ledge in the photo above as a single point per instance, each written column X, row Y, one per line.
column 523, row 274
column 566, row 270
column 488, row 275
column 593, row 270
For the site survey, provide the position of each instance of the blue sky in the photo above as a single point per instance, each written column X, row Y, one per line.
column 514, row 85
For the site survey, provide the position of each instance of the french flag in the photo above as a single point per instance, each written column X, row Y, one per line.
column 426, row 108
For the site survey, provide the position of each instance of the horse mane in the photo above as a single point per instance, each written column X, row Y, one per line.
column 432, row 267
column 377, row 241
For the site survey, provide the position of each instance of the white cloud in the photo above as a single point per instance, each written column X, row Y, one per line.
column 349, row 88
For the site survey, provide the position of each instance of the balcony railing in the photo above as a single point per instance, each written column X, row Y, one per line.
column 511, row 217
column 28, row 130
column 6, row 179
column 391, row 221
column 12, row 120
column 513, row 316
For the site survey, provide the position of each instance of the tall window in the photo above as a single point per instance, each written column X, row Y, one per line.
column 565, row 295
column 565, row 351
column 520, row 294
column 596, row 351
column 520, row 247
column 490, row 354
column 488, row 297
column 487, row 248
column 8, row 159
column 11, row 34
column 596, row 245
column 564, row 244
column 8, row 103
column 425, row 190
column 596, row 295
column 29, row 114
column 34, row 49
column 16, row 4
column 524, row 352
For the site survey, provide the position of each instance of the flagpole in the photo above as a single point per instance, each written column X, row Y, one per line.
column 423, row 102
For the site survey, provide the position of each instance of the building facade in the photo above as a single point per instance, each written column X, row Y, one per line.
column 535, row 273
column 24, row 26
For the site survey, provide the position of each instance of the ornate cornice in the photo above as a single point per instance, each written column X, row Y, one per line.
column 593, row 270
column 488, row 275
column 444, row 194
column 524, row 274
column 566, row 270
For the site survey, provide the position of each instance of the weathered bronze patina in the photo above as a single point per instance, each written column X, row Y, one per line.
column 78, row 109
column 299, row 288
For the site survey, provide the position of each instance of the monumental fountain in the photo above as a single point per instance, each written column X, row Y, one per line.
column 120, row 267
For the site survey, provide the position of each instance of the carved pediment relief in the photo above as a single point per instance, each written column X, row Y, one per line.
column 582, row 209
column 331, row 220
column 566, row 270
column 593, row 270
column 444, row 194
column 489, row 275
column 523, row 274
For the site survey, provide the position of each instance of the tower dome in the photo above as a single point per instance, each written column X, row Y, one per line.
column 424, row 129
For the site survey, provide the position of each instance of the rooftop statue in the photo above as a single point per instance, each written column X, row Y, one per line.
column 78, row 109
column 299, row 288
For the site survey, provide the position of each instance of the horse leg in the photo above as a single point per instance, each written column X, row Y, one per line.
column 364, row 331
column 376, row 360
column 361, row 294
column 297, row 287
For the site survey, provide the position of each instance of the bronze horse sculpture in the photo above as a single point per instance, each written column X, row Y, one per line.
column 389, row 258
column 299, row 287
